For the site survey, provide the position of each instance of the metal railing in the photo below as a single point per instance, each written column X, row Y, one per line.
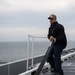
column 64, row 58
column 28, row 45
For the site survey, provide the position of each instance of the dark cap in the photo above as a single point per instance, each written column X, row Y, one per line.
column 52, row 16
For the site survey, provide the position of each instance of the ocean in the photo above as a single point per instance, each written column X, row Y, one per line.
column 12, row 51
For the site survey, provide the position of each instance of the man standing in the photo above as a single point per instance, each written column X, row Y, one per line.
column 56, row 32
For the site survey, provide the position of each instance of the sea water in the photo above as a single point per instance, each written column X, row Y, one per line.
column 12, row 51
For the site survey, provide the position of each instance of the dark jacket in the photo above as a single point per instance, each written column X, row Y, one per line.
column 57, row 31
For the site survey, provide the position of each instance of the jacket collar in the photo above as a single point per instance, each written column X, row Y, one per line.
column 52, row 25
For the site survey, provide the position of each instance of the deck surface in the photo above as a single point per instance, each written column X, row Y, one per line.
column 68, row 68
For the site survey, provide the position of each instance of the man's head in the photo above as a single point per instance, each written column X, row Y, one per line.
column 52, row 18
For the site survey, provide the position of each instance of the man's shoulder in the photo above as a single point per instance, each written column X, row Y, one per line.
column 60, row 25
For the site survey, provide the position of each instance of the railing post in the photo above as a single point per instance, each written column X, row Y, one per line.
column 32, row 51
column 28, row 51
column 28, row 45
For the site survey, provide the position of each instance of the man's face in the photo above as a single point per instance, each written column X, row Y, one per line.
column 52, row 20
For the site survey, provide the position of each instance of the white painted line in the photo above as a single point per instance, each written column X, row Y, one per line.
column 69, row 64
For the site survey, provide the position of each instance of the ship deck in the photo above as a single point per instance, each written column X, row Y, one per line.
column 68, row 68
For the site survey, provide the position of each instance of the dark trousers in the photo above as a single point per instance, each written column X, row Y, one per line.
column 54, row 58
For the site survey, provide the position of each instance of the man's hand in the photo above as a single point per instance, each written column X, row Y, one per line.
column 52, row 38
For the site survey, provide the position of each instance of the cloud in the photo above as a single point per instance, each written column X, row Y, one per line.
column 19, row 18
column 20, row 33
column 37, row 5
column 70, row 32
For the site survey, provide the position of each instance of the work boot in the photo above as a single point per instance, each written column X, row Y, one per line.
column 52, row 70
column 57, row 73
column 61, row 73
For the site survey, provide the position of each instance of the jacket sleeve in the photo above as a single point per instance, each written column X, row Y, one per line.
column 61, row 34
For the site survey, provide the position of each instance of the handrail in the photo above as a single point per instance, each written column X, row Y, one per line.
column 36, row 36
column 28, row 45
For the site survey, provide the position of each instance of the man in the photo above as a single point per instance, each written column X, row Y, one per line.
column 56, row 32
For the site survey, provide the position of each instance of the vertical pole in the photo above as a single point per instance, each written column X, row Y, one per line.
column 32, row 50
column 28, row 51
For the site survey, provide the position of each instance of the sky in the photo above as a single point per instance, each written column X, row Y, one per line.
column 20, row 18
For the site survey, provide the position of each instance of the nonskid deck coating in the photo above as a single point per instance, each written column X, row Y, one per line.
column 68, row 68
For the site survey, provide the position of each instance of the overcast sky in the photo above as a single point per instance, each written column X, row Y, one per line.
column 20, row 18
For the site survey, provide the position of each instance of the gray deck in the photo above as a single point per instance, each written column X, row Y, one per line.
column 68, row 68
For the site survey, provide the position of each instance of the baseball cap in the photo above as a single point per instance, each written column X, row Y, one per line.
column 52, row 16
